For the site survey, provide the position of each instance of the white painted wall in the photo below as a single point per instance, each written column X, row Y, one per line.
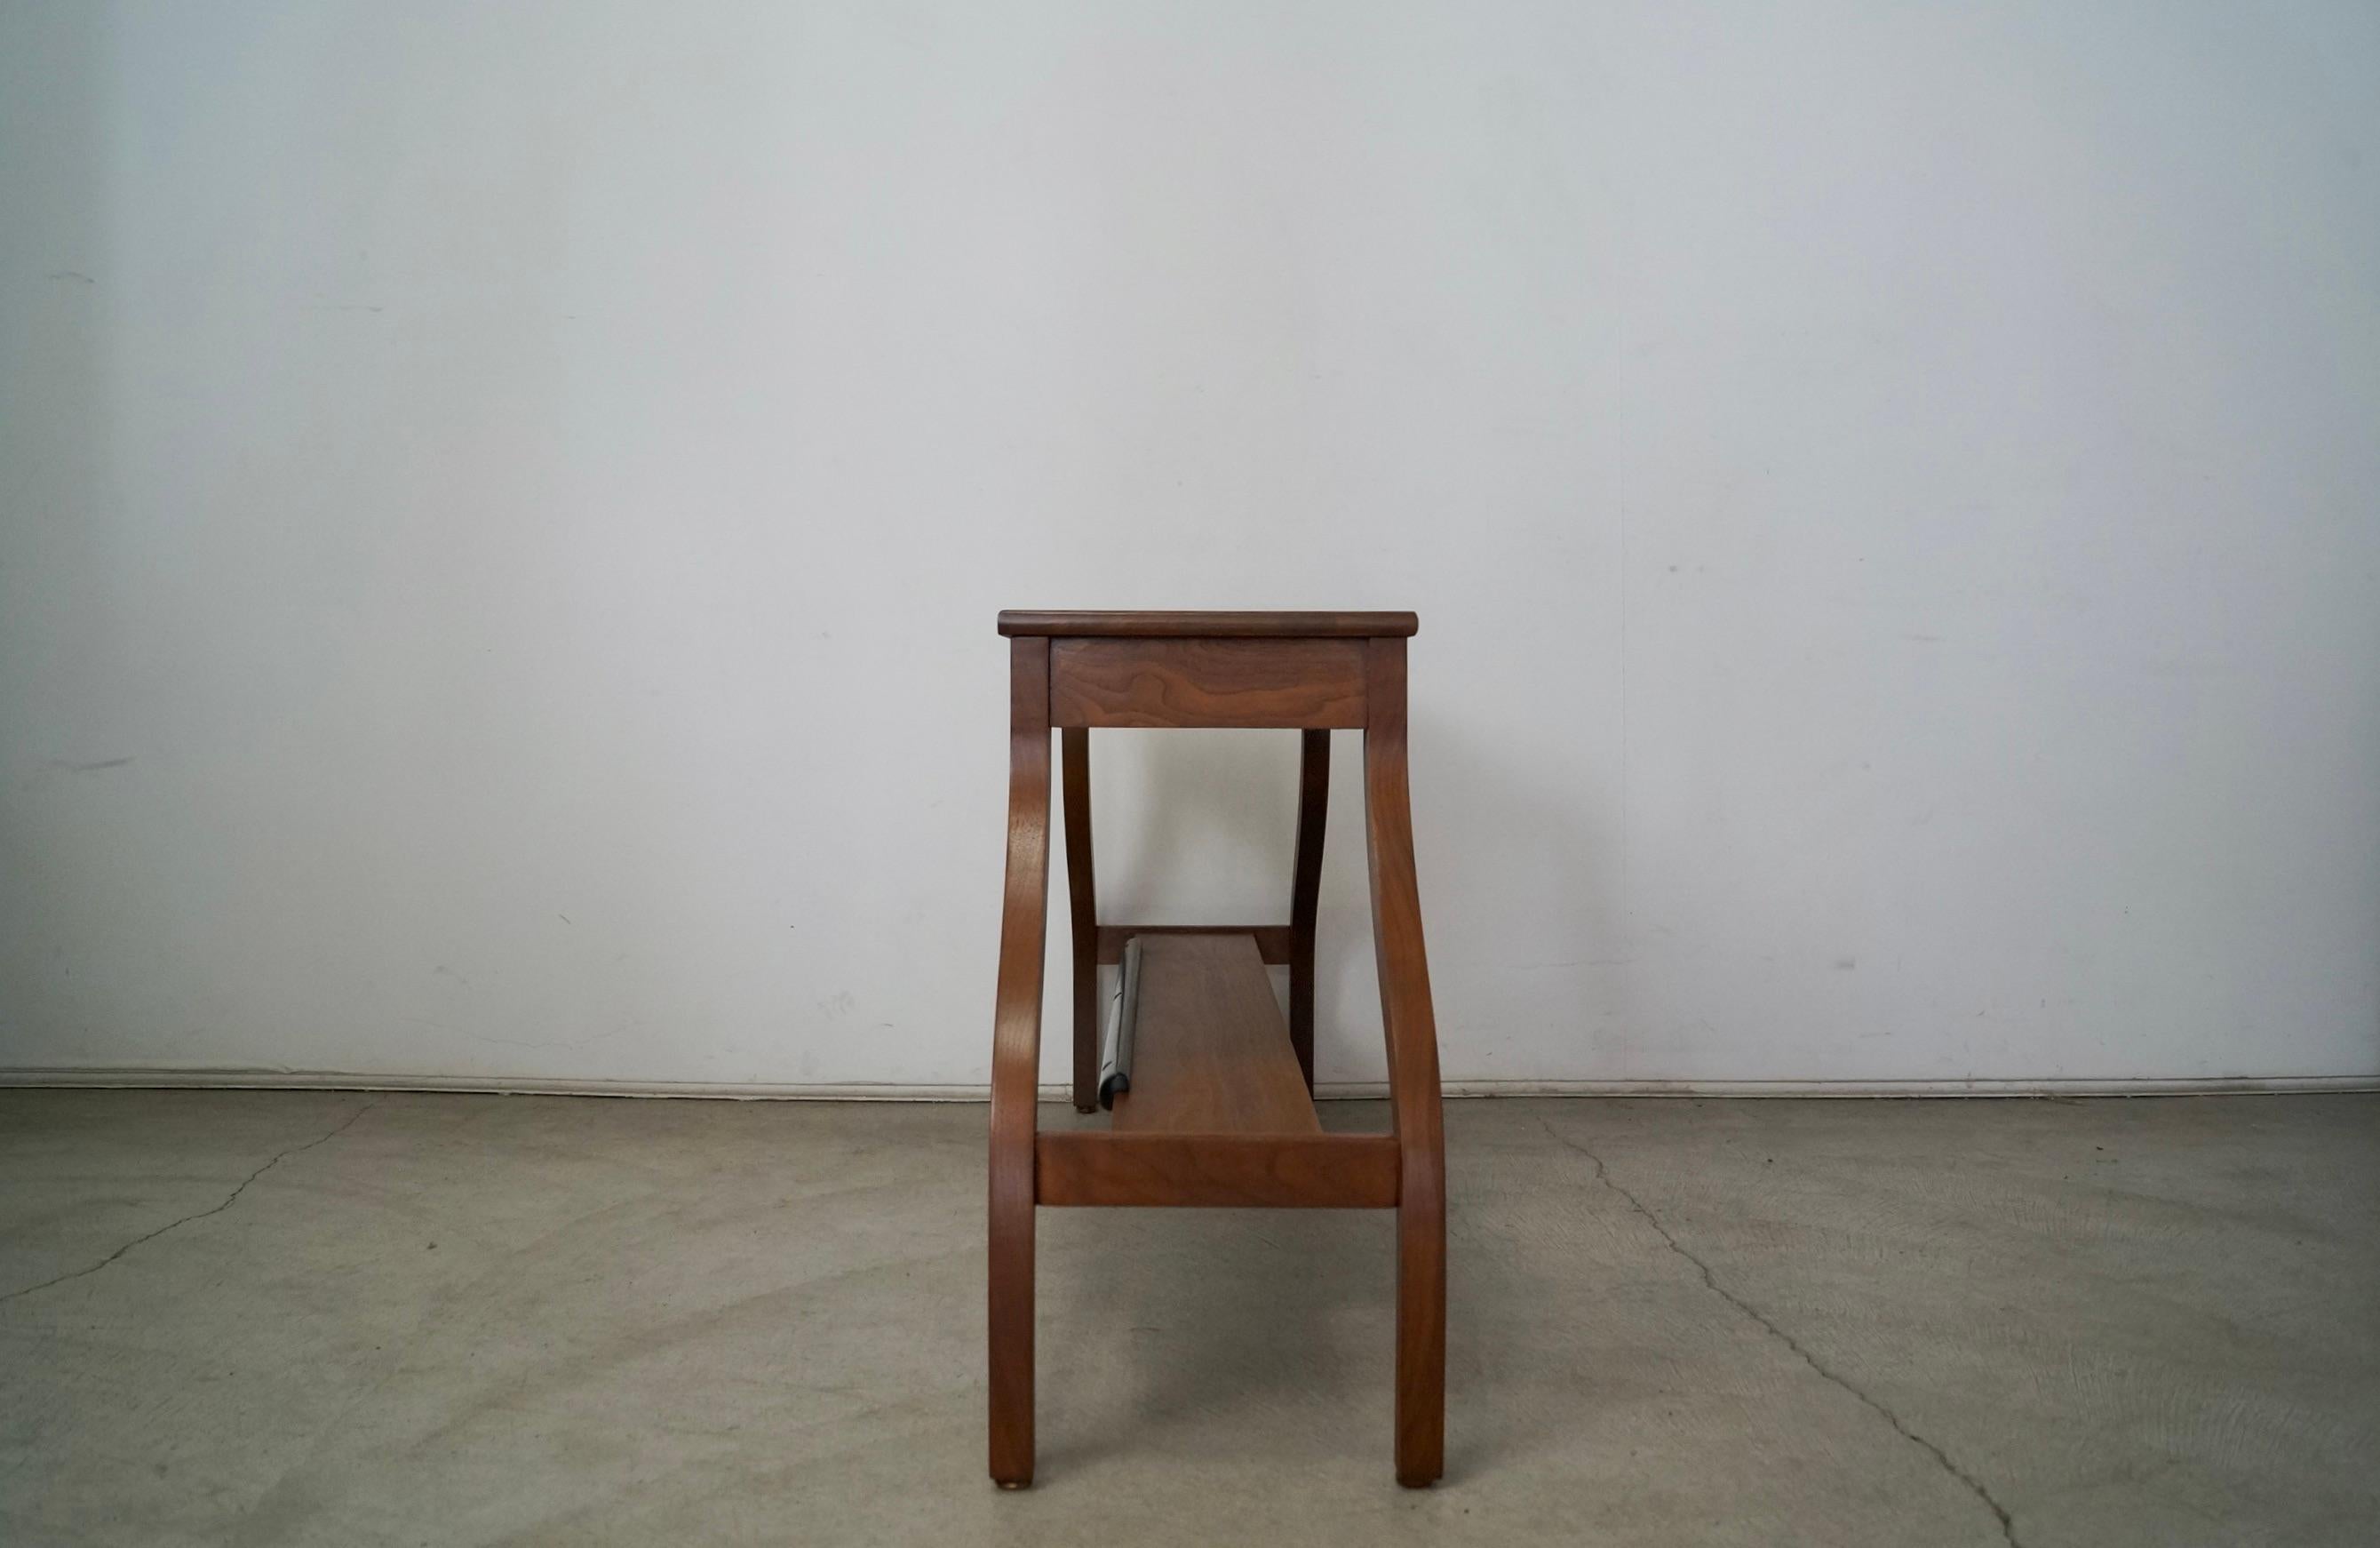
column 503, row 507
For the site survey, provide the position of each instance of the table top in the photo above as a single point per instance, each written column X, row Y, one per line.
column 1301, row 626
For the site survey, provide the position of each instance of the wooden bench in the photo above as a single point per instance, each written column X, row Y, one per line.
column 1219, row 1110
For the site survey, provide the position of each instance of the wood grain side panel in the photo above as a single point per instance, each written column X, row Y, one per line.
column 1197, row 683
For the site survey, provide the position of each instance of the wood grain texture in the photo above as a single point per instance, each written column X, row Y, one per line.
column 1206, row 625
column 1082, row 901
column 1212, row 1054
column 1306, row 891
column 1016, row 1066
column 1206, row 682
column 1411, row 1030
column 1219, row 1171
column 1273, row 942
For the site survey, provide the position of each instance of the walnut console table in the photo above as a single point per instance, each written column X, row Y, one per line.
column 1219, row 1109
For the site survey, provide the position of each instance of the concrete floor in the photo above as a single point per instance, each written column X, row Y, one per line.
column 324, row 1318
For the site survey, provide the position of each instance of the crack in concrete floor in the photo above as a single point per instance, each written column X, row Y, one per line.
column 1973, row 1485
column 229, row 1200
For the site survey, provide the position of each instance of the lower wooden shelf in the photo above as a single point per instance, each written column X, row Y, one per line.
column 1211, row 1055
column 1218, row 1113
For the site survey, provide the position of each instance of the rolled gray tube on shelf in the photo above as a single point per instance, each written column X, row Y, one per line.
column 1115, row 1060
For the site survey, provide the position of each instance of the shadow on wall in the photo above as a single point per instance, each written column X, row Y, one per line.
column 1188, row 827
column 1203, row 815
column 1199, row 827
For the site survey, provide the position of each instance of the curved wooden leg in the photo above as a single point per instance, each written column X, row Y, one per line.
column 1082, row 904
column 1305, row 892
column 1412, row 1074
column 1016, row 1064
column 1421, row 1327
